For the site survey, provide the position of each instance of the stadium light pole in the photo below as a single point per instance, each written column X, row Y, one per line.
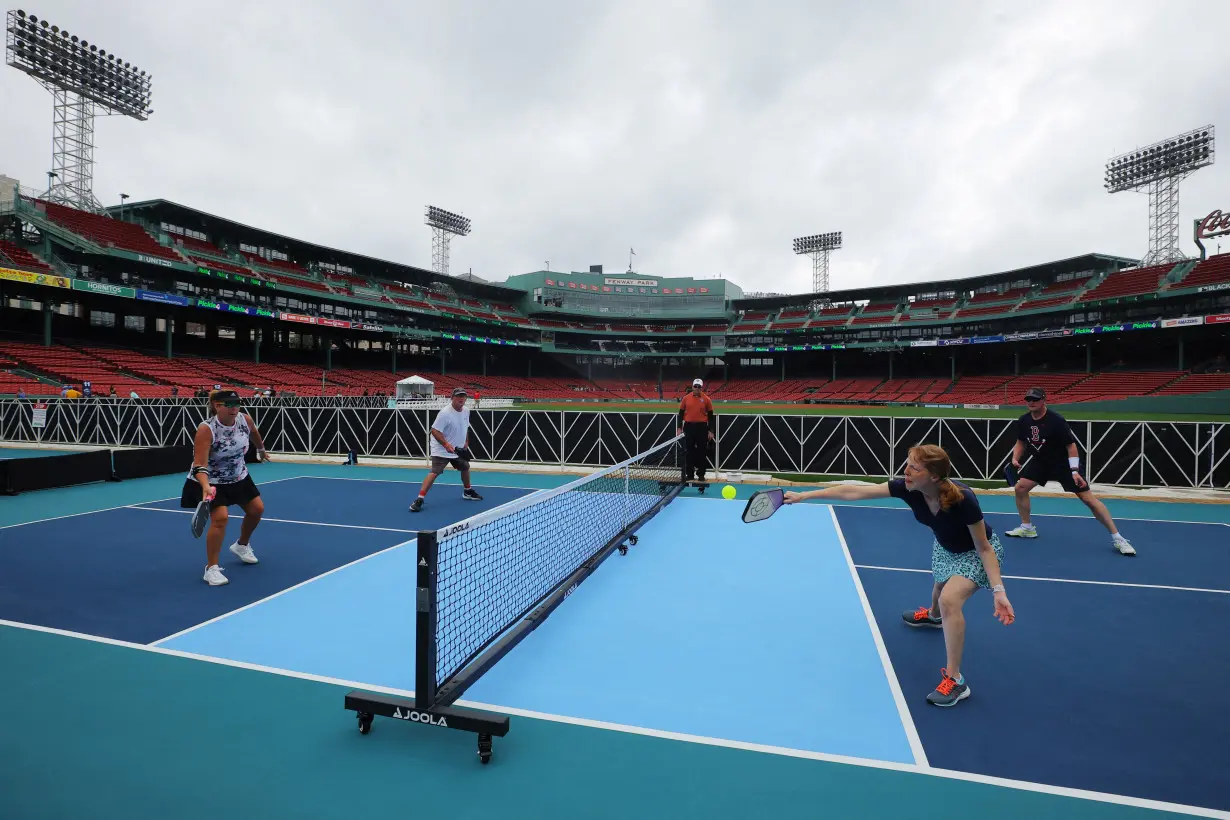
column 818, row 247
column 1159, row 168
column 84, row 80
column 444, row 226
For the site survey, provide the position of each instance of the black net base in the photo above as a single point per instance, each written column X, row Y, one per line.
column 496, row 568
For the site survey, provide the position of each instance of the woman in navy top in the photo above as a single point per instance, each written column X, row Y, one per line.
column 965, row 555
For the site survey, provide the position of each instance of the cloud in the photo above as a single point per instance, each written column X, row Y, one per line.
column 943, row 139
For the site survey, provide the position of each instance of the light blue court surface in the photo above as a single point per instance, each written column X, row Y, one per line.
column 754, row 642
column 694, row 613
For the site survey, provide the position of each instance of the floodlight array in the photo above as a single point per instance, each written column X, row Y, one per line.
column 447, row 221
column 62, row 60
column 818, row 242
column 1174, row 157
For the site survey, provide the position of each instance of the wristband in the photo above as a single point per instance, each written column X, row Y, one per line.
column 998, row 588
column 1074, row 462
column 196, row 470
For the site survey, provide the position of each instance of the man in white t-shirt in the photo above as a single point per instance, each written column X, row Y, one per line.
column 450, row 432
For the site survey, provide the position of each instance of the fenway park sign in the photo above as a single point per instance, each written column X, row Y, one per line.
column 1215, row 224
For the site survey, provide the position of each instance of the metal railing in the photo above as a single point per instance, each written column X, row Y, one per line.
column 1133, row 453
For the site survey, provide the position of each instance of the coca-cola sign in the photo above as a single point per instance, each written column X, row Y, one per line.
column 1215, row 224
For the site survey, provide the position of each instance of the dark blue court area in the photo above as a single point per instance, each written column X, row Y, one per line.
column 1097, row 685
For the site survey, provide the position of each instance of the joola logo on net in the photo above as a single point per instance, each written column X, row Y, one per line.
column 419, row 717
column 453, row 530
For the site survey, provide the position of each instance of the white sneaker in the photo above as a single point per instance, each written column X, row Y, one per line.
column 1023, row 531
column 1123, row 546
column 244, row 553
column 214, row 576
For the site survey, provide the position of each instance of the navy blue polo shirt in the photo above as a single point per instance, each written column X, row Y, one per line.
column 951, row 526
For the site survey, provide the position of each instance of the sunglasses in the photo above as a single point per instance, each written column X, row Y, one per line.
column 229, row 403
column 1033, row 398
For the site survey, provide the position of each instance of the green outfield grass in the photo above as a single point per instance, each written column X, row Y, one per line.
column 861, row 410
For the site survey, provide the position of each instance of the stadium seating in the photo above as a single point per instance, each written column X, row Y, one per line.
column 1046, row 302
column 191, row 246
column 107, row 232
column 989, row 310
column 18, row 257
column 1115, row 385
column 976, row 390
column 152, row 376
column 276, row 264
column 1212, row 271
column 1196, row 383
column 1135, row 282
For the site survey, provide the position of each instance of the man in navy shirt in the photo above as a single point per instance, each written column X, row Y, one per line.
column 1047, row 437
column 965, row 555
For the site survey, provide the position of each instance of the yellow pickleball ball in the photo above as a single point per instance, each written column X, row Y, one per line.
column 728, row 492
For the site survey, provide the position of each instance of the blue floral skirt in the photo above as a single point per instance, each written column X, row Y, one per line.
column 945, row 564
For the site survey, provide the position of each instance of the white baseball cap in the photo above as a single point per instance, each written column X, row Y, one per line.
column 697, row 383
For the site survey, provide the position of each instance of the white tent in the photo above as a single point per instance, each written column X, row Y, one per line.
column 415, row 387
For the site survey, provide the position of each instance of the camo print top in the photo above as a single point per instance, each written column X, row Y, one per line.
column 230, row 444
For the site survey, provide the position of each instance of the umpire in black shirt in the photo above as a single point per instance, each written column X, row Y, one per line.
column 1049, row 441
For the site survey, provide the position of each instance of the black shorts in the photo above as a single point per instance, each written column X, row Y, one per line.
column 239, row 493
column 1040, row 473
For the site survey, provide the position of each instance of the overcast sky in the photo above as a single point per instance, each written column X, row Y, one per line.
column 944, row 139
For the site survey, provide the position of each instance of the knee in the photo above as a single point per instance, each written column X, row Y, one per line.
column 950, row 606
column 219, row 518
column 257, row 508
column 1023, row 487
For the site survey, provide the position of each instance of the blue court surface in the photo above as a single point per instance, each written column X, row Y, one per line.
column 31, row 452
column 717, row 670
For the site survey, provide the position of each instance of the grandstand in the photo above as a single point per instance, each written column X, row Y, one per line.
column 170, row 299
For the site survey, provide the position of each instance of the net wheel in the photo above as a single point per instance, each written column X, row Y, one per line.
column 484, row 749
column 633, row 540
column 623, row 549
column 365, row 723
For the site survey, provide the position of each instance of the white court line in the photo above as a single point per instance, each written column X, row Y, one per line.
column 476, row 474
column 1064, row 580
column 117, row 507
column 438, row 483
column 907, row 768
column 278, row 594
column 903, row 710
column 1051, row 515
column 281, row 520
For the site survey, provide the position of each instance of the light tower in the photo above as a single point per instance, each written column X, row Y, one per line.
column 84, row 80
column 444, row 226
column 1159, row 168
column 818, row 247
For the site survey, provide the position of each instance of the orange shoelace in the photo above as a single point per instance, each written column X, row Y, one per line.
column 947, row 684
column 922, row 613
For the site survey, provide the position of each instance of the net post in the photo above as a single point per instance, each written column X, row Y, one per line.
column 425, row 621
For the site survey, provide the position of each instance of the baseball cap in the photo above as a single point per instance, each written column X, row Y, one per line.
column 1035, row 393
column 227, row 396
column 460, row 391
column 697, row 383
